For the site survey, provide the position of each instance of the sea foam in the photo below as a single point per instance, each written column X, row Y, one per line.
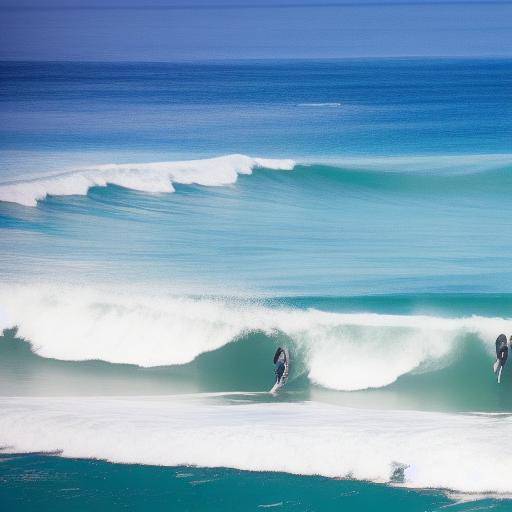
column 303, row 438
column 146, row 177
column 341, row 351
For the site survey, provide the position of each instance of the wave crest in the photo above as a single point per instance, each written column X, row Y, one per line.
column 146, row 177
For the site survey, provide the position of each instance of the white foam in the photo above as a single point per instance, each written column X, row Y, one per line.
column 460, row 452
column 342, row 351
column 145, row 177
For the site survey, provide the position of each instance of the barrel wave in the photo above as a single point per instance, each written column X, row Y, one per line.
column 334, row 350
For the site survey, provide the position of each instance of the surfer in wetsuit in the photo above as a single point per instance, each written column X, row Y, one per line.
column 279, row 361
column 501, row 354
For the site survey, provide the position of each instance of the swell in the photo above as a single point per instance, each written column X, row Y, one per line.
column 436, row 174
column 460, row 176
column 337, row 350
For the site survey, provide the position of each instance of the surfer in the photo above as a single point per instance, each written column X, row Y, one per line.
column 279, row 361
column 282, row 361
column 501, row 354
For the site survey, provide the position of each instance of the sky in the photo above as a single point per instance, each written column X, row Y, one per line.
column 198, row 30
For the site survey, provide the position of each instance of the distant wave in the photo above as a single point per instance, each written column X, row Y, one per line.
column 462, row 452
column 340, row 351
column 145, row 177
column 327, row 104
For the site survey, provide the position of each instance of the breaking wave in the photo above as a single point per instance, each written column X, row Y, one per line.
column 436, row 173
column 340, row 351
column 144, row 177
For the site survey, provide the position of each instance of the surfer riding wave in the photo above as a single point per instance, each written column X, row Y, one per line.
column 501, row 355
column 282, row 361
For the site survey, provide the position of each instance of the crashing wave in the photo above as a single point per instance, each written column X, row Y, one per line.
column 341, row 351
column 146, row 177
column 159, row 177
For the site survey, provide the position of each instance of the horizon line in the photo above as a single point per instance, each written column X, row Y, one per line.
column 235, row 6
column 259, row 59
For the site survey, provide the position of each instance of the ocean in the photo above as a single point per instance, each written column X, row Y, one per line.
column 165, row 227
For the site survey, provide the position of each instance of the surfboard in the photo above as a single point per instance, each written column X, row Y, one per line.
column 282, row 381
column 498, row 368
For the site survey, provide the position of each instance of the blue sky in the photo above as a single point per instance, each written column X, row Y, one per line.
column 159, row 30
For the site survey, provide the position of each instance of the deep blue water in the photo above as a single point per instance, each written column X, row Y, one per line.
column 387, row 107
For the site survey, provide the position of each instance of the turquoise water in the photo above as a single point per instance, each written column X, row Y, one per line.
column 61, row 484
column 166, row 227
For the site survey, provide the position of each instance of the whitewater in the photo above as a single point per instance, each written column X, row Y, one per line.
column 425, row 448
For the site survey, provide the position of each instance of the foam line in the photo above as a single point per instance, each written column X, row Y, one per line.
column 460, row 452
column 145, row 177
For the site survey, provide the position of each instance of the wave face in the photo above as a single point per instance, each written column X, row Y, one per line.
column 305, row 438
column 341, row 351
column 262, row 236
column 149, row 177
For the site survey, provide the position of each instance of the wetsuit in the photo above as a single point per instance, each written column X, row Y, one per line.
column 279, row 361
column 501, row 349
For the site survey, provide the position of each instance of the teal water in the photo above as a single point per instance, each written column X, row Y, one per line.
column 165, row 227
column 39, row 481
